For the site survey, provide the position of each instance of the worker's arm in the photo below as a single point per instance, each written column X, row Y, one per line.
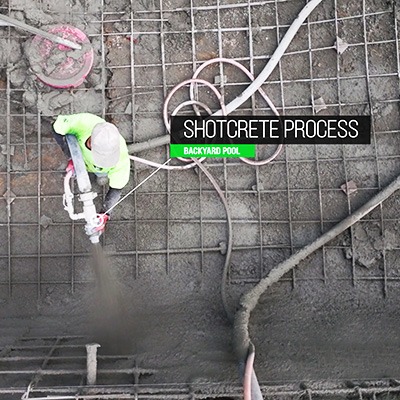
column 76, row 124
column 60, row 139
column 79, row 125
column 118, row 179
column 112, row 197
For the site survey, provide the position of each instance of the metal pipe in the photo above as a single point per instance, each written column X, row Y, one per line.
column 68, row 198
column 149, row 144
column 91, row 217
column 86, row 195
column 36, row 31
column 180, row 391
column 56, row 372
column 91, row 363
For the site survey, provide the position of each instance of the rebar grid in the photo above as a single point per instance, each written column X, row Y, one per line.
column 314, row 390
column 70, row 349
column 135, row 92
column 37, row 362
column 177, row 214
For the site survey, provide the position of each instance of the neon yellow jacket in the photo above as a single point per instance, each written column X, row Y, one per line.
column 81, row 126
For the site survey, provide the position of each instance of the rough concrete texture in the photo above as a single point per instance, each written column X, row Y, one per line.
column 335, row 317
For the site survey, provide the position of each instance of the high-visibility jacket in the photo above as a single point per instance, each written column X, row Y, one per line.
column 81, row 126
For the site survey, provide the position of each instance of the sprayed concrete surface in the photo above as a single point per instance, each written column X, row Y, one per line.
column 335, row 317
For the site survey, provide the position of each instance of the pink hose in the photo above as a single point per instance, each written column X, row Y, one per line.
column 260, row 90
column 247, row 376
column 194, row 103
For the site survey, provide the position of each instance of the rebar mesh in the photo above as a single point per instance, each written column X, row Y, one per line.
column 175, row 225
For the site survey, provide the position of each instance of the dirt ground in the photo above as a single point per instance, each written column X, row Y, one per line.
column 335, row 317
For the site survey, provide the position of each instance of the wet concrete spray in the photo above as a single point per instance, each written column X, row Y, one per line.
column 111, row 322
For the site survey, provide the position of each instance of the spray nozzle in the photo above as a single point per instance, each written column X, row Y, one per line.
column 93, row 224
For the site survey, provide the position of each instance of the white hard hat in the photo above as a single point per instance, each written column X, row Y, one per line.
column 105, row 145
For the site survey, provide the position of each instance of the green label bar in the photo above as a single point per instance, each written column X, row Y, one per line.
column 213, row 150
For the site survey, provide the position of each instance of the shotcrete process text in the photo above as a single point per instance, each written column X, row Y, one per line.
column 271, row 130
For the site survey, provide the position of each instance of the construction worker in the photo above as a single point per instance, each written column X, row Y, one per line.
column 103, row 149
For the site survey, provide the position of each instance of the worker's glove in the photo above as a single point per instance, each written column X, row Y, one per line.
column 103, row 220
column 70, row 167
